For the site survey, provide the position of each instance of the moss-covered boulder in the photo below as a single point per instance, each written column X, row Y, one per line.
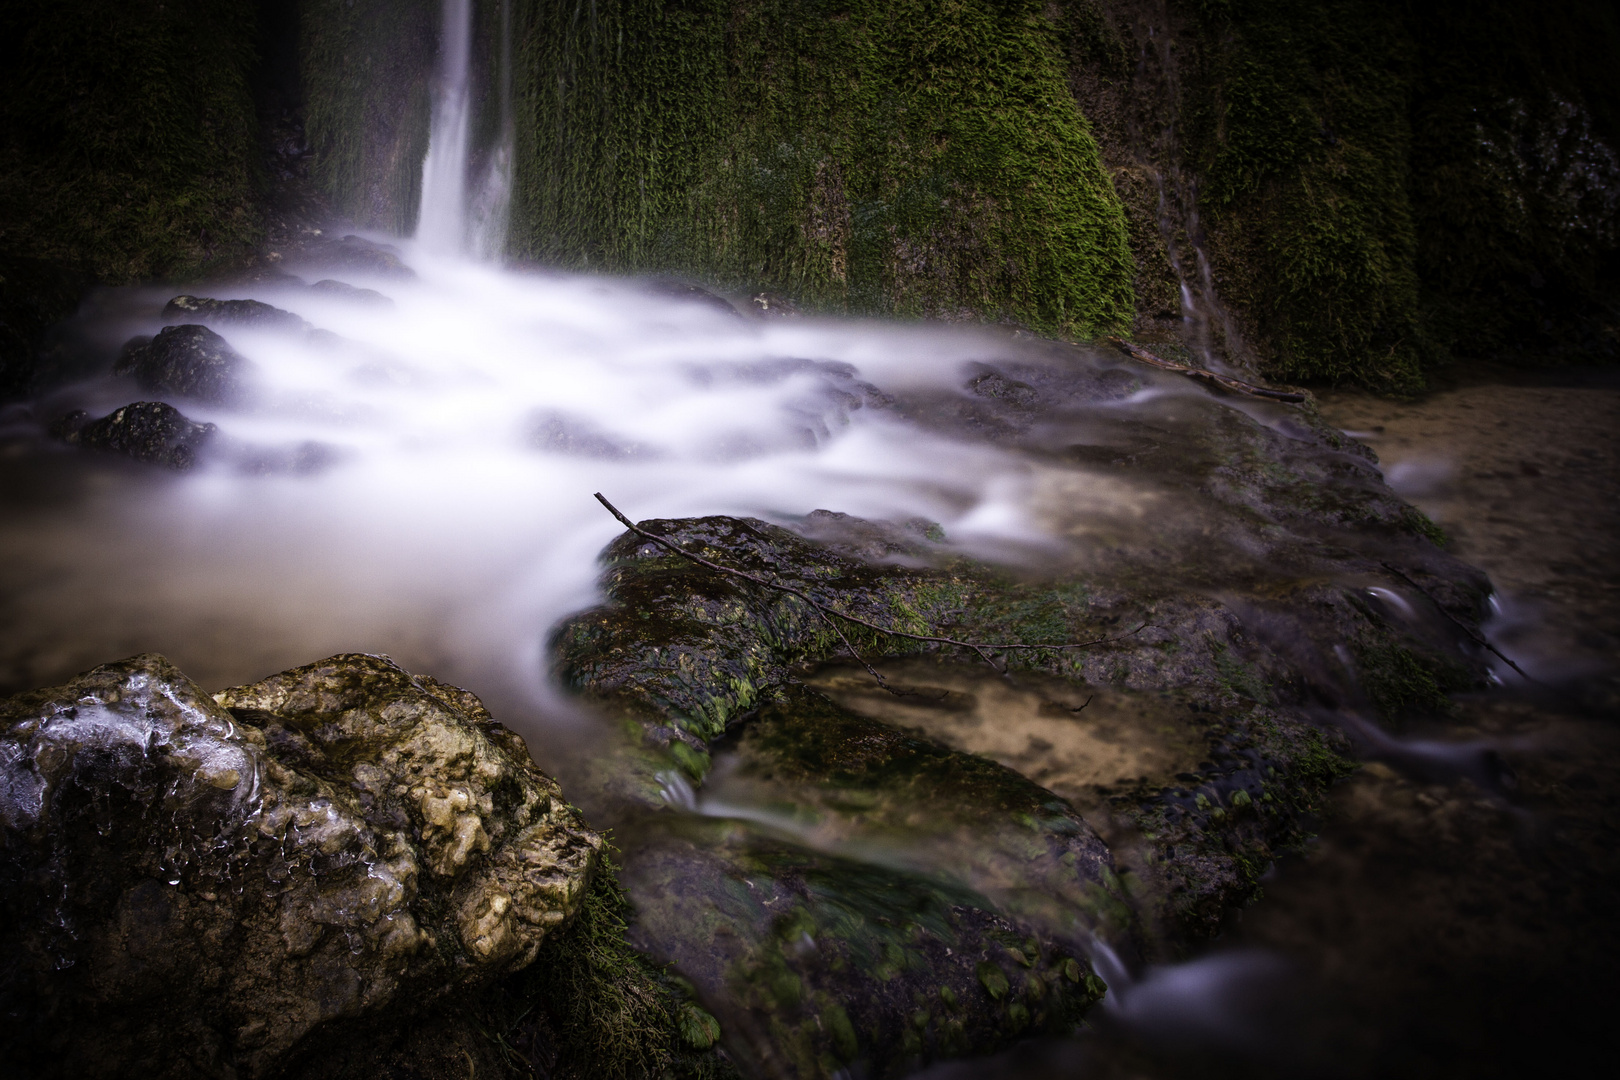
column 1230, row 571
column 254, row 313
column 198, row 885
column 818, row 965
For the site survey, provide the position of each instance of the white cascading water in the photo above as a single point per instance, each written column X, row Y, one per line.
column 442, row 226
column 471, row 416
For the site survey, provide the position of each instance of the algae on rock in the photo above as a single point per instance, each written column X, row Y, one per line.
column 917, row 158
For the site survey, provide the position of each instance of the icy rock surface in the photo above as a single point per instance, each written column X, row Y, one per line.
column 205, row 885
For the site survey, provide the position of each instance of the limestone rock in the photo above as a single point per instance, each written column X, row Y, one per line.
column 190, row 361
column 194, row 885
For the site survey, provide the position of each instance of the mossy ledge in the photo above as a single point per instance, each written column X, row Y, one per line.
column 917, row 158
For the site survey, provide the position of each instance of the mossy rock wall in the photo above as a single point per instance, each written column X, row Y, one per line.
column 1377, row 188
column 127, row 134
column 919, row 157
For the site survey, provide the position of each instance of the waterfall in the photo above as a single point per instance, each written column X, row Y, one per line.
column 451, row 221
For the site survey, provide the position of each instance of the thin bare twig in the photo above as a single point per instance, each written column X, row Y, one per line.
column 827, row 614
column 1224, row 381
column 1479, row 639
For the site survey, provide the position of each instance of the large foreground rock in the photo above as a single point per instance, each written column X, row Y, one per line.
column 195, row 885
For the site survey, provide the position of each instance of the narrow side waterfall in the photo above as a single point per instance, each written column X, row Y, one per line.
column 454, row 220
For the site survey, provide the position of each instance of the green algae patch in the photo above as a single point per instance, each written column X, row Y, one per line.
column 816, row 964
column 917, row 158
column 607, row 1010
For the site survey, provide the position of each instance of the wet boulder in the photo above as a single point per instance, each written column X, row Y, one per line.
column 254, row 313
column 148, row 431
column 686, row 292
column 208, row 885
column 188, row 361
column 708, row 667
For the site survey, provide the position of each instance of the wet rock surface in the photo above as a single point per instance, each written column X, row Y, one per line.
column 147, row 431
column 1132, row 791
column 188, row 361
column 357, row 254
column 342, row 289
column 254, row 313
column 209, row 885
column 817, row 965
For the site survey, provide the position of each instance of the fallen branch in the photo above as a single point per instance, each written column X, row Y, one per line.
column 828, row 614
column 1214, row 377
column 1479, row 639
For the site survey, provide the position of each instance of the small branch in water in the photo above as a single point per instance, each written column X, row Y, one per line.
column 827, row 614
column 1479, row 639
column 1083, row 704
column 1224, row 381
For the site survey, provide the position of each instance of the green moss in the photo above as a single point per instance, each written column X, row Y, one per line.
column 1418, row 523
column 1304, row 139
column 128, row 140
column 611, row 1012
column 1400, row 681
column 921, row 157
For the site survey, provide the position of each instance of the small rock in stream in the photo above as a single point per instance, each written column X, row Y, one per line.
column 195, row 884
column 190, row 361
column 149, row 431
column 253, row 313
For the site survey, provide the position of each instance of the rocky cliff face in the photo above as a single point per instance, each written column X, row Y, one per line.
column 1337, row 190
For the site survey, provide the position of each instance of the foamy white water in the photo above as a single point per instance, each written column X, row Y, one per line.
column 442, row 223
column 470, row 422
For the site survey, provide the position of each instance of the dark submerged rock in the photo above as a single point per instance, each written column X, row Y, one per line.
column 561, row 433
column 201, row 885
column 189, row 361
column 821, row 966
column 149, row 431
column 360, row 255
column 253, row 313
column 343, row 290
